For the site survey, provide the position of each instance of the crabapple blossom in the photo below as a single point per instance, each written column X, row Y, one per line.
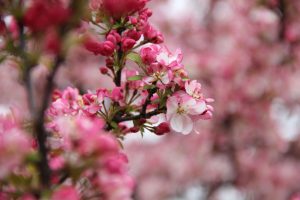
column 68, row 141
column 11, row 139
column 66, row 192
column 247, row 53
column 182, row 109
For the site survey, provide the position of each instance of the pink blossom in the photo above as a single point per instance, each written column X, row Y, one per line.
column 120, row 8
column 151, row 34
column 148, row 54
column 66, row 192
column 173, row 61
column 193, row 88
column 160, row 74
column 117, row 94
column 91, row 103
column 180, row 110
column 53, row 14
column 11, row 139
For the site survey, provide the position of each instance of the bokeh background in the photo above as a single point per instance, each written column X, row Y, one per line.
column 246, row 54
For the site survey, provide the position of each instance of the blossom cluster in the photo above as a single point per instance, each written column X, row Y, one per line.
column 158, row 84
column 79, row 145
column 250, row 150
column 71, row 139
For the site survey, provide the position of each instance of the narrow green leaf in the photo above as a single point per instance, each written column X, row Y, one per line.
column 135, row 78
column 135, row 57
column 149, row 87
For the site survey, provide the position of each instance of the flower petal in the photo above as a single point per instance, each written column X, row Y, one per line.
column 181, row 124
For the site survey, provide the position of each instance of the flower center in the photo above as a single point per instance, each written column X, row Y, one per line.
column 158, row 75
column 181, row 110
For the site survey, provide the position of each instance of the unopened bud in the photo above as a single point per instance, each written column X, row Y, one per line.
column 103, row 70
column 162, row 128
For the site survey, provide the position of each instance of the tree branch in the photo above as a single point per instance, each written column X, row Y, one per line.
column 140, row 116
column 40, row 130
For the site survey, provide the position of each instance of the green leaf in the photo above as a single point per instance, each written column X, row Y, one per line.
column 135, row 78
column 114, row 125
column 33, row 157
column 142, row 131
column 135, row 57
column 149, row 87
column 121, row 144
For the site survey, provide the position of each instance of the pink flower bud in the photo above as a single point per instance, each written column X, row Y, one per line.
column 158, row 39
column 111, row 38
column 93, row 46
column 142, row 121
column 95, row 4
column 117, row 94
column 148, row 55
column 133, row 20
column 121, row 8
column 52, row 42
column 43, row 14
column 134, row 129
column 162, row 128
column 109, row 63
column 133, row 34
column 127, row 43
column 107, row 49
column 103, row 70
column 2, row 26
column 116, row 35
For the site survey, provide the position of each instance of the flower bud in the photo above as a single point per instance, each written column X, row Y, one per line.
column 162, row 128
column 52, row 42
column 142, row 121
column 107, row 48
column 2, row 26
column 148, row 55
column 109, row 63
column 93, row 46
column 133, row 34
column 133, row 20
column 127, row 43
column 103, row 70
column 134, row 129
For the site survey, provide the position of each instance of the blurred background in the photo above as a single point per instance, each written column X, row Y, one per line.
column 246, row 54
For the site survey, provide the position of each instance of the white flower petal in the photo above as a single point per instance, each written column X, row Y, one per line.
column 181, row 124
column 198, row 108
column 177, row 123
column 172, row 106
column 187, row 125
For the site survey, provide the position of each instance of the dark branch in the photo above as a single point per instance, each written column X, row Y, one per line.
column 282, row 9
column 40, row 130
column 140, row 116
column 147, row 102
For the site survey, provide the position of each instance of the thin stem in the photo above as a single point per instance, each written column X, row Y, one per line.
column 148, row 101
column 140, row 44
column 140, row 116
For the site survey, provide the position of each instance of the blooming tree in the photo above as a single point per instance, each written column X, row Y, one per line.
column 250, row 52
column 68, row 144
